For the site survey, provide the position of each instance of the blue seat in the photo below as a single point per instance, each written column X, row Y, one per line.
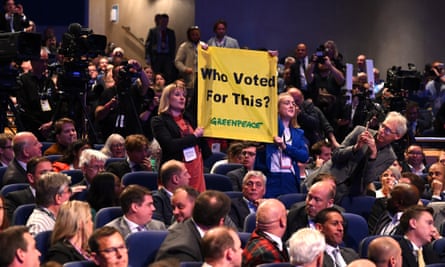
column 439, row 246
column 106, row 215
column 22, row 213
column 244, row 237
column 2, row 172
column 45, row 146
column 208, row 162
column 226, row 167
column 43, row 242
column 249, row 223
column 12, row 187
column 356, row 230
column 234, row 194
column 111, row 160
column 191, row 264
column 80, row 264
column 53, row 158
column 218, row 182
column 141, row 252
column 364, row 244
column 435, row 265
column 276, row 264
column 143, row 178
column 289, row 199
column 98, row 146
column 425, row 201
column 361, row 205
column 76, row 175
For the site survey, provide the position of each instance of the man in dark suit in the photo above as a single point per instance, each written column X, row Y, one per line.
column 172, row 175
column 436, row 179
column 265, row 244
column 34, row 169
column 13, row 19
column 417, row 226
column 160, row 48
column 414, row 160
column 183, row 239
column 137, row 159
column 25, row 146
column 330, row 223
column 254, row 188
column 249, row 155
column 385, row 251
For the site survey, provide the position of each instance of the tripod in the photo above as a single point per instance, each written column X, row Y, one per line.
column 5, row 103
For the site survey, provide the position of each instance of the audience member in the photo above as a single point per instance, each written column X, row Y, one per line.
column 435, row 88
column 25, row 146
column 70, row 159
column 384, row 251
column 35, row 168
column 6, row 152
column 183, row 201
column 417, row 227
column 114, row 146
column 13, row 19
column 69, row 239
column 160, row 48
column 234, row 155
column 179, row 136
column 330, row 222
column 65, row 134
column 4, row 221
column 137, row 205
column 388, row 179
column 363, row 155
column 104, row 191
column 108, row 248
column 414, row 160
column 361, row 263
column 248, row 153
column 254, row 189
column 183, row 240
column 18, row 248
column 265, row 244
column 172, row 175
column 306, row 248
column 321, row 152
column 91, row 163
column 416, row 124
column 320, row 196
column 221, row 39
column 221, row 247
column 278, row 161
column 52, row 190
column 436, row 180
column 441, row 157
column 297, row 70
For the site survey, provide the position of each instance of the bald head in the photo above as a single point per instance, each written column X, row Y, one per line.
column 26, row 146
column 361, row 263
column 296, row 94
column 385, row 251
column 271, row 217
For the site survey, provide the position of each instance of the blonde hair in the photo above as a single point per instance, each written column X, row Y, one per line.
column 71, row 220
column 164, row 102
column 293, row 121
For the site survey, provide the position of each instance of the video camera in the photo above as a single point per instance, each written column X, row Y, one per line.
column 321, row 52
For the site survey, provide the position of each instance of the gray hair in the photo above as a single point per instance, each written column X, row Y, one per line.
column 89, row 154
column 400, row 120
column 305, row 245
column 256, row 174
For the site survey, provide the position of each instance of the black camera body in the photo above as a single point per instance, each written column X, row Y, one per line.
column 321, row 52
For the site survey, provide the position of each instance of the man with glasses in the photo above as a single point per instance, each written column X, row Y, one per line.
column 414, row 160
column 91, row 162
column 6, row 152
column 108, row 248
column 236, row 176
column 364, row 155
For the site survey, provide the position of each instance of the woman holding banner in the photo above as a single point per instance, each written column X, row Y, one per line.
column 178, row 135
column 278, row 161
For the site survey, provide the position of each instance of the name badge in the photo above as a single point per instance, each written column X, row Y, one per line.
column 44, row 104
column 286, row 162
column 189, row 154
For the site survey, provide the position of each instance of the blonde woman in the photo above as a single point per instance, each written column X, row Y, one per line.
column 114, row 146
column 69, row 240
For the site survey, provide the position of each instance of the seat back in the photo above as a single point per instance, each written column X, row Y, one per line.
column 22, row 213
column 2, row 172
column 146, row 179
column 364, row 244
column 361, row 205
column 111, row 160
column 226, row 167
column 80, row 264
column 76, row 175
column 140, row 251
column 106, row 215
column 53, row 158
column 208, row 162
column 218, row 182
column 289, row 199
column 43, row 240
column 233, row 194
column 244, row 237
column 190, row 264
column 356, row 230
column 249, row 223
column 276, row 264
column 12, row 187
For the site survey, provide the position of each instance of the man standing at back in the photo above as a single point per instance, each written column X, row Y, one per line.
column 221, row 39
column 183, row 239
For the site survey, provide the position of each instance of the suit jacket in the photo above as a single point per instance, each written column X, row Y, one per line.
column 63, row 252
column 238, row 212
column 121, row 225
column 228, row 42
column 185, row 58
column 14, row 173
column 19, row 24
column 236, row 177
column 348, row 255
column 17, row 198
column 182, row 243
column 151, row 45
column 296, row 219
column 409, row 260
column 262, row 249
column 164, row 209
column 119, row 168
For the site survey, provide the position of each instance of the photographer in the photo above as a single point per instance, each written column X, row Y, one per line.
column 119, row 107
column 435, row 88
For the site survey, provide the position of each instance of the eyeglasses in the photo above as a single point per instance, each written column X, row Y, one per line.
column 114, row 249
column 251, row 154
column 386, row 129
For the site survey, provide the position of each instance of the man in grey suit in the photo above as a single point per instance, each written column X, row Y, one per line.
column 363, row 155
column 183, row 239
column 330, row 223
column 221, row 39
column 137, row 206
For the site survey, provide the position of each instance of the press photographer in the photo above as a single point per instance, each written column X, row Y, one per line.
column 120, row 107
column 435, row 88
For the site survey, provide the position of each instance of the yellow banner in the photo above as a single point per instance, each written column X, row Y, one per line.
column 237, row 94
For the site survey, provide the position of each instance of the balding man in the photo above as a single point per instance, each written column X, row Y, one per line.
column 221, row 247
column 361, row 263
column 265, row 245
column 385, row 251
column 306, row 248
column 25, row 146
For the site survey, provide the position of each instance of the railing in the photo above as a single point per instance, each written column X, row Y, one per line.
column 138, row 39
